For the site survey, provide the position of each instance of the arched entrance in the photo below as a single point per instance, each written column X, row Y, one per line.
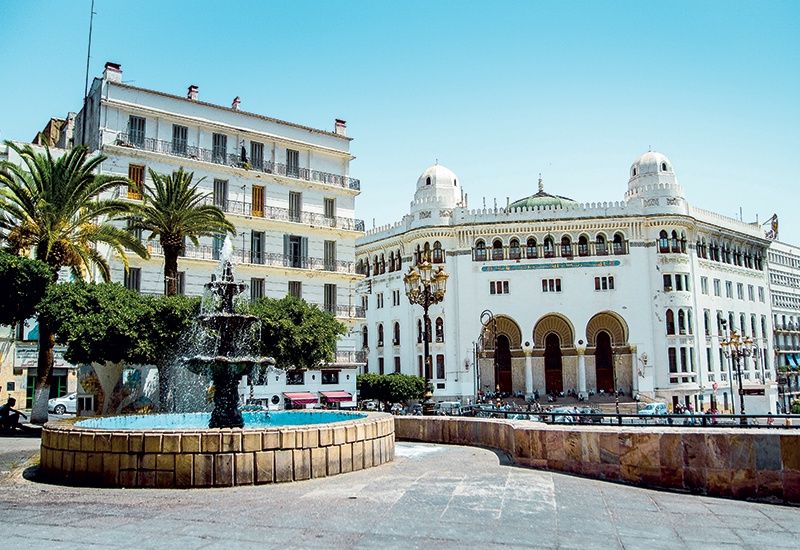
column 604, row 362
column 553, row 379
column 503, row 358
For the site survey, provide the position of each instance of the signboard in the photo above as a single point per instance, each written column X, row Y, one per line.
column 751, row 391
column 27, row 356
column 554, row 265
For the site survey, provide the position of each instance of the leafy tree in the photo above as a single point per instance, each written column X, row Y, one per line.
column 296, row 333
column 174, row 210
column 24, row 282
column 390, row 388
column 795, row 408
column 55, row 208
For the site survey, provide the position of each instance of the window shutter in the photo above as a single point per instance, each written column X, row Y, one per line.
column 304, row 249
column 286, row 245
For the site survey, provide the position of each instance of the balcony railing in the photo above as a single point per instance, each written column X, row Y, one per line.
column 207, row 252
column 207, row 155
column 287, row 215
column 346, row 357
column 349, row 312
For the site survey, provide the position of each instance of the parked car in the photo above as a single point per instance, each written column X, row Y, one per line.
column 564, row 415
column 448, row 407
column 590, row 419
column 655, row 409
column 65, row 404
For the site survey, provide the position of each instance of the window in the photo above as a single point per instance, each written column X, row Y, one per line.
column 761, row 294
column 439, row 330
column 380, row 335
column 136, row 232
column 395, row 297
column 136, row 125
column 379, row 300
column 257, row 155
column 296, row 289
column 396, row 334
column 566, row 247
column 480, row 251
column 707, row 322
column 364, row 337
column 136, row 175
column 257, row 247
column 549, row 248
column 330, row 377
column 728, row 289
column 663, row 242
column 551, row 285
column 295, row 251
column 295, row 206
column 673, row 360
column 514, row 251
column 419, row 331
column 704, row 285
column 133, row 279
column 295, row 377
column 497, row 250
column 397, row 364
column 329, row 255
column 221, row 194
column 380, row 365
column 751, row 294
column 179, row 139
column 330, row 298
column 216, row 246
column 600, row 245
column 438, row 253
column 292, row 163
column 258, row 201
column 219, row 148
column 330, row 208
column 667, row 283
column 604, row 283
column 531, row 250
column 740, row 291
column 440, row 366
column 583, row 246
column 256, row 289
column 670, row 322
column 717, row 291
column 681, row 322
column 498, row 287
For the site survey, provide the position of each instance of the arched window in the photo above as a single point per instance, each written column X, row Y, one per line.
column 683, row 242
column 497, row 249
column 391, row 261
column 633, row 172
column 743, row 324
column 689, row 325
column 703, row 250
column 439, row 329
column 376, row 266
column 480, row 251
column 583, row 246
column 706, row 323
column 396, row 334
column 428, row 180
column 514, row 251
column 365, row 337
column 663, row 241
column 399, row 261
column 566, row 247
column 619, row 243
column 676, row 242
column 366, row 267
column 380, row 335
column 600, row 246
column 549, row 248
column 438, row 253
column 419, row 331
column 426, row 252
column 383, row 265
column 417, row 255
column 753, row 326
column 531, row 251
column 428, row 328
column 360, row 267
column 681, row 322
column 670, row 322
column 663, row 166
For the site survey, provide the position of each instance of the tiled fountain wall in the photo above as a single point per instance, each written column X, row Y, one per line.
column 751, row 464
column 214, row 458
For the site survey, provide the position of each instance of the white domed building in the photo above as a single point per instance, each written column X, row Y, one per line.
column 582, row 297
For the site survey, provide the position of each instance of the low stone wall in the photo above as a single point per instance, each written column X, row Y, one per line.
column 745, row 464
column 214, row 458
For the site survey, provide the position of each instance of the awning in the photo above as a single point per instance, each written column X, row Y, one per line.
column 792, row 359
column 301, row 398
column 336, row 396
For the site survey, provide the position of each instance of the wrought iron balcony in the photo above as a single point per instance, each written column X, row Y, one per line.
column 179, row 149
column 349, row 357
column 286, row 214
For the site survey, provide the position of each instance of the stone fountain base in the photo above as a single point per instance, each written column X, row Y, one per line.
column 211, row 457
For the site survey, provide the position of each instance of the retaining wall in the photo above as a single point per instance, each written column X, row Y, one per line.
column 737, row 463
column 214, row 458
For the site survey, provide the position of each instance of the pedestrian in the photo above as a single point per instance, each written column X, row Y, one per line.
column 9, row 417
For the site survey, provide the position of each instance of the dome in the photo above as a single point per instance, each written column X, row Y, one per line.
column 653, row 180
column 651, row 162
column 437, row 176
column 541, row 199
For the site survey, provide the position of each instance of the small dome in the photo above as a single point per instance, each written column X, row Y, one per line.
column 652, row 177
column 541, row 199
column 651, row 162
column 437, row 176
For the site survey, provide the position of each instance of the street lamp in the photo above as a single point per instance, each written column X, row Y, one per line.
column 737, row 349
column 425, row 288
column 488, row 317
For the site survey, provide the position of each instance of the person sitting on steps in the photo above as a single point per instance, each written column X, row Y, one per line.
column 9, row 417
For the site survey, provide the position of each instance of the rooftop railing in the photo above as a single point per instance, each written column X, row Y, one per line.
column 179, row 149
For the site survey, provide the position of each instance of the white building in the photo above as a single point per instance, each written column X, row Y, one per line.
column 286, row 187
column 784, row 283
column 585, row 297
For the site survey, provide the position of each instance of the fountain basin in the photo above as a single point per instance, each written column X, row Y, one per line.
column 84, row 453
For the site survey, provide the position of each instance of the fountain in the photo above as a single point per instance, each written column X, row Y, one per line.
column 176, row 450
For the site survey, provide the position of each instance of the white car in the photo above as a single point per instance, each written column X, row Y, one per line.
column 65, row 404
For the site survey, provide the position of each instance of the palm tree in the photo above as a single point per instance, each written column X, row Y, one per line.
column 174, row 210
column 54, row 208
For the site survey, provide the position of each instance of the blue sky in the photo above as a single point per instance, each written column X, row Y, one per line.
column 496, row 91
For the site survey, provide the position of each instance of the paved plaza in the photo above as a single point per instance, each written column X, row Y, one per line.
column 431, row 496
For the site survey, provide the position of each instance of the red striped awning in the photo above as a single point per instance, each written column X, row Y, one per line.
column 301, row 398
column 337, row 396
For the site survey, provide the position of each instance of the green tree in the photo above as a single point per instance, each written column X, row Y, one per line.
column 795, row 408
column 24, row 282
column 173, row 209
column 296, row 333
column 390, row 388
column 55, row 207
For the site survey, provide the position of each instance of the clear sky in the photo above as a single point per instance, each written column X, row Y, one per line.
column 496, row 91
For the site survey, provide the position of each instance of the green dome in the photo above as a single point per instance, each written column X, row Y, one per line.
column 541, row 199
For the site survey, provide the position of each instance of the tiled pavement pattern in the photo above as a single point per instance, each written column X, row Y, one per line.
column 430, row 497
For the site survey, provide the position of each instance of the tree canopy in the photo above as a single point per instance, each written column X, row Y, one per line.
column 24, row 283
column 390, row 388
column 296, row 333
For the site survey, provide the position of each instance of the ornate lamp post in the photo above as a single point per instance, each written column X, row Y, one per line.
column 737, row 349
column 425, row 288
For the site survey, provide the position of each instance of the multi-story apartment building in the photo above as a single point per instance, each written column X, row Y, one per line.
column 784, row 284
column 634, row 295
column 286, row 187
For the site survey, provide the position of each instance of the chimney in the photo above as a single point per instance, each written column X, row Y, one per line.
column 112, row 72
column 341, row 127
column 235, row 104
column 192, row 93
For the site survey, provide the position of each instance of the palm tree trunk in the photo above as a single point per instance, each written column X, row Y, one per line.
column 44, row 374
column 170, row 269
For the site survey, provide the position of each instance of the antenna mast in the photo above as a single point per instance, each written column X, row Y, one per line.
column 86, row 82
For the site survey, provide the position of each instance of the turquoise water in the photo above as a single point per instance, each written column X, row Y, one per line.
column 199, row 421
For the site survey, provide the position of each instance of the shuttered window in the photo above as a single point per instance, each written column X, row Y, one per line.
column 258, row 201
column 136, row 175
